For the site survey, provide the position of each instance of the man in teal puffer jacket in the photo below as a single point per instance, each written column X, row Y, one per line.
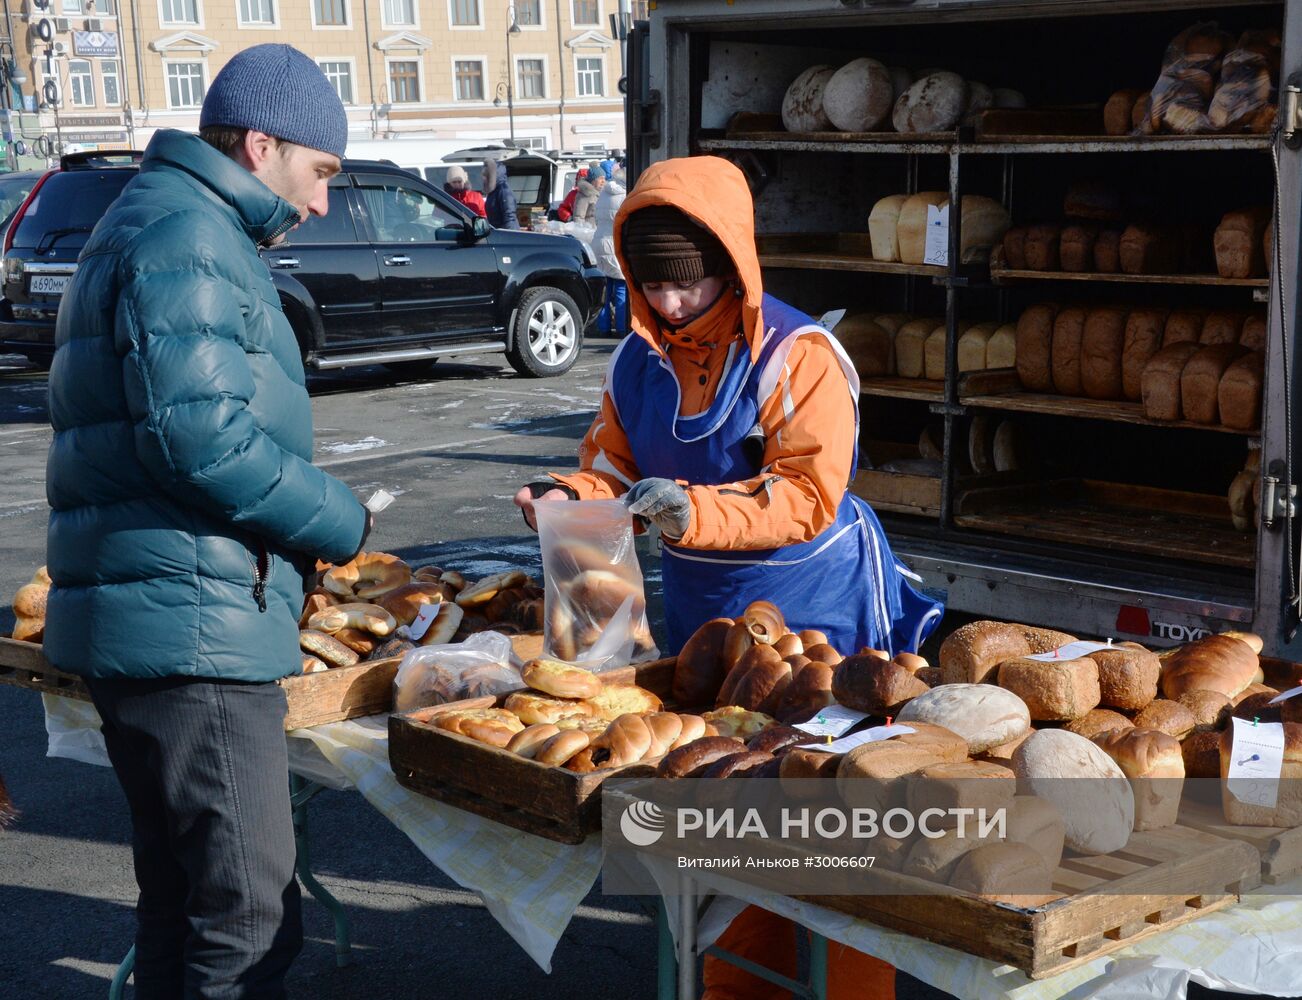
column 186, row 510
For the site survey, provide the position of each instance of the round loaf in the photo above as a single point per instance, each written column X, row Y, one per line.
column 1166, row 717
column 1098, row 813
column 933, row 104
column 983, row 715
column 1210, row 709
column 802, row 105
column 1037, row 824
column 859, row 96
column 1096, row 721
column 699, row 669
column 692, row 758
column 30, row 600
column 528, row 742
column 1127, row 676
column 872, row 685
column 560, row 679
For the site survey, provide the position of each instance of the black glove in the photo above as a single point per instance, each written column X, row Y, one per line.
column 662, row 502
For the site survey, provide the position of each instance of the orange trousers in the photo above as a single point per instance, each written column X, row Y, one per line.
column 769, row 940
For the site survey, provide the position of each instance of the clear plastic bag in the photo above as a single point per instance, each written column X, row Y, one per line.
column 594, row 603
column 434, row 675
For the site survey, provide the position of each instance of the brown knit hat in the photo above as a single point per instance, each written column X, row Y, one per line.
column 662, row 244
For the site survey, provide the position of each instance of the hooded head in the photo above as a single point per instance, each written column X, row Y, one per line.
column 701, row 223
column 457, row 176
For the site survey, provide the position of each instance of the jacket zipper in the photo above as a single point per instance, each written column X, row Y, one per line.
column 260, row 570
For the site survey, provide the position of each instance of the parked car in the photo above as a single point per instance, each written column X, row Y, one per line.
column 397, row 273
column 14, row 189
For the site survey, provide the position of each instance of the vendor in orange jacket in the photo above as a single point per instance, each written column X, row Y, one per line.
column 730, row 421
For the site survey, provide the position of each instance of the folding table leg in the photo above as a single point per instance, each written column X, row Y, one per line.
column 686, row 939
column 666, row 961
column 301, row 790
column 817, row 966
column 122, row 975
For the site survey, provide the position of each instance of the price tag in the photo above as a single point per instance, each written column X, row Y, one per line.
column 936, row 249
column 424, row 619
column 380, row 499
column 848, row 743
column 1285, row 696
column 832, row 721
column 830, row 318
column 1071, row 651
column 1256, row 760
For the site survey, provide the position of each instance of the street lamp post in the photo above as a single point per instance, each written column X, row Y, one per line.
column 514, row 29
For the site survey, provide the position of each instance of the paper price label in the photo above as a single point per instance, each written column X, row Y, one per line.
column 1286, row 695
column 380, row 499
column 1256, row 760
column 936, row 248
column 830, row 318
column 1071, row 651
column 832, row 721
column 424, row 619
column 848, row 743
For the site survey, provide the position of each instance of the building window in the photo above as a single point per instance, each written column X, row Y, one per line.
column 71, row 6
column 532, row 82
column 184, row 85
column 180, row 11
column 400, row 12
column 259, row 12
column 404, row 81
column 528, row 13
column 587, row 11
column 108, row 72
column 330, row 13
column 531, row 142
column 80, row 83
column 100, row 8
column 465, row 12
column 340, row 75
column 469, row 79
column 591, row 83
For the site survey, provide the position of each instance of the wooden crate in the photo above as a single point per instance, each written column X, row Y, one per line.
column 550, row 802
column 1278, row 848
column 23, row 664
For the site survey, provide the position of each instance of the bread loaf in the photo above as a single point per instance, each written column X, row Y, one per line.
column 1015, row 248
column 1098, row 720
column 1154, row 766
column 871, row 347
column 1244, row 89
column 1210, row 709
column 1239, row 496
column 859, row 96
column 1107, row 251
column 911, row 229
column 1238, row 395
column 1076, row 248
column 1221, row 328
column 937, row 858
column 1098, row 814
column 1214, row 663
column 1165, row 716
column 1116, row 113
column 1147, row 250
column 1200, row 381
column 935, row 103
column 1160, row 383
column 693, row 758
column 1287, row 811
column 882, row 225
column 972, row 347
column 1041, row 247
column 1201, row 752
column 1238, row 243
column 1004, row 873
column 1141, row 120
column 933, row 353
column 984, row 223
column 1184, row 326
column 1253, row 335
column 1061, row 689
column 1037, row 824
column 1068, row 329
column 869, row 776
column 1128, row 676
column 878, row 687
column 1035, row 347
column 1142, row 339
column 973, row 651
column 1001, row 349
column 910, row 347
column 969, row 784
column 1100, row 353
column 802, row 105
column 983, row 715
column 699, row 669
column 1005, row 447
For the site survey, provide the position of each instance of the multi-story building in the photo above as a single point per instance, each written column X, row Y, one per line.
column 108, row 73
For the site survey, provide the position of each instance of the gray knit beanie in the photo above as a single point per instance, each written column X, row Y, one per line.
column 278, row 90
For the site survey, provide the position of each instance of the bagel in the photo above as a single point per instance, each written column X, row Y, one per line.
column 363, row 617
column 443, row 628
column 454, row 580
column 571, row 558
column 764, row 622
column 561, row 642
column 600, row 593
column 368, row 575
column 316, row 601
column 405, row 602
column 560, row 679
column 528, row 742
column 486, row 589
column 327, row 648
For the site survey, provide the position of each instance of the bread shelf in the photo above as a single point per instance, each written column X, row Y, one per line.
column 926, row 390
column 1192, row 527
column 1117, row 411
column 1000, row 275
column 831, row 252
column 945, row 143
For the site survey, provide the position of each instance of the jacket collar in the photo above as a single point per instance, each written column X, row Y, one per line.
column 259, row 211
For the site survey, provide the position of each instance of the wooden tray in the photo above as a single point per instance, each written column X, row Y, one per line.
column 1190, row 526
column 23, row 664
column 1278, row 848
column 550, row 802
column 831, row 252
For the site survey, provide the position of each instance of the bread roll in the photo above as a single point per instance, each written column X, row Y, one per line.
column 1036, row 823
column 1107, row 251
column 1184, row 326
column 1034, row 347
column 1165, row 716
column 1210, row 709
column 910, row 347
column 1238, row 395
column 1061, row 689
column 1142, row 339
column 1068, row 329
column 1222, row 328
column 871, row 347
column 911, row 230
column 878, row 687
column 983, row 715
column 933, row 354
column 699, row 669
column 1160, row 383
column 858, row 96
column 882, row 223
column 1041, row 245
column 972, row 347
column 1214, row 663
column 1001, row 349
column 1101, row 349
column 762, row 681
column 1096, row 721
column 1253, row 335
column 1076, row 248
column 1128, row 676
column 1008, row 873
column 1287, row 811
column 969, row 784
column 1116, row 112
column 1238, row 243
column 935, row 103
column 1200, row 381
column 1148, row 250
column 809, row 691
column 1154, row 766
column 1098, row 814
column 802, row 105
column 1015, row 248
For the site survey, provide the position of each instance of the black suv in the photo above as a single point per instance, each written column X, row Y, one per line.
column 397, row 273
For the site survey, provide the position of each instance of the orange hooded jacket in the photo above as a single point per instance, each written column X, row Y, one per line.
column 808, row 419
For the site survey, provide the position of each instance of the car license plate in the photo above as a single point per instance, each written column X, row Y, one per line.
column 49, row 284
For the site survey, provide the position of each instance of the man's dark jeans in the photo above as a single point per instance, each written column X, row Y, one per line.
column 204, row 768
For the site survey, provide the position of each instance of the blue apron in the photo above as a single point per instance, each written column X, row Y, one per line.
column 845, row 582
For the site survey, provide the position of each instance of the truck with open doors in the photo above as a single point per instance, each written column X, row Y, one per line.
column 1077, row 391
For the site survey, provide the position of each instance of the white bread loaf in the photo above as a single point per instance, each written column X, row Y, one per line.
column 1287, row 811
column 871, row 347
column 802, row 106
column 1154, row 766
column 883, row 221
column 911, row 230
column 1098, row 812
column 1001, row 349
column 1037, row 824
column 934, row 354
column 910, row 347
column 972, row 347
column 984, row 223
column 859, row 96
column 984, row 715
